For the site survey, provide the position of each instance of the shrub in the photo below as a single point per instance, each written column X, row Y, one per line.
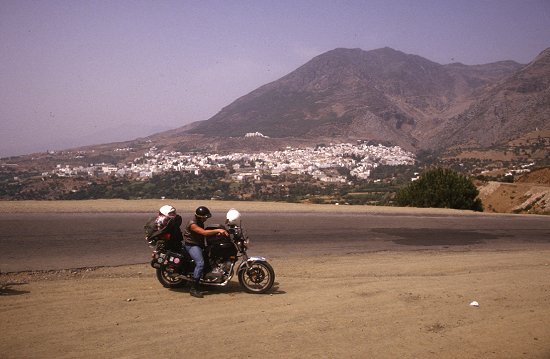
column 440, row 188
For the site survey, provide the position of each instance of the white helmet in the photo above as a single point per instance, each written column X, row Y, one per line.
column 168, row 210
column 233, row 216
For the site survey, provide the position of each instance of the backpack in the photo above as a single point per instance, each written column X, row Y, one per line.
column 153, row 233
column 150, row 227
column 156, row 229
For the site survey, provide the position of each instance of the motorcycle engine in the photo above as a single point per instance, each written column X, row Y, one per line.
column 219, row 272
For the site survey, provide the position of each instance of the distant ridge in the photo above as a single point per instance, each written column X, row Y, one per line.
column 518, row 105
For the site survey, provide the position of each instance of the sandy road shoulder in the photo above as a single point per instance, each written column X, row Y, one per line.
column 151, row 206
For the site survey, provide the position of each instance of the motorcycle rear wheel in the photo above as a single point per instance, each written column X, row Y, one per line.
column 169, row 280
column 258, row 279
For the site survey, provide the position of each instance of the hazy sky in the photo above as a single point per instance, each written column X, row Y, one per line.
column 84, row 72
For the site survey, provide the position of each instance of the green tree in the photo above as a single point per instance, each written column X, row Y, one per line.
column 440, row 188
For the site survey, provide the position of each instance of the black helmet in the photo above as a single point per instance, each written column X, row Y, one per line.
column 203, row 212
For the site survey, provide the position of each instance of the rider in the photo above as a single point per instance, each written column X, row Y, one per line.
column 194, row 236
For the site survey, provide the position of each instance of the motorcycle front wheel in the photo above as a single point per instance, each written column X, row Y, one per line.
column 258, row 279
column 169, row 280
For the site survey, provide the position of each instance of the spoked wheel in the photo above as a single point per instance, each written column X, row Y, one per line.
column 169, row 280
column 259, row 278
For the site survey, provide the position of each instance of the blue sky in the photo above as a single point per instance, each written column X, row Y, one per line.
column 87, row 72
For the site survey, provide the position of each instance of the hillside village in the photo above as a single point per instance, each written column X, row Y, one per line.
column 359, row 159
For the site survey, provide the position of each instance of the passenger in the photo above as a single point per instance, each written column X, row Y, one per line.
column 167, row 229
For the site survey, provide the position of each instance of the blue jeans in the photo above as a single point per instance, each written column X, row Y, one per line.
column 196, row 253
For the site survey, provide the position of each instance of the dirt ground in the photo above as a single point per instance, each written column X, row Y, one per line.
column 374, row 305
column 385, row 304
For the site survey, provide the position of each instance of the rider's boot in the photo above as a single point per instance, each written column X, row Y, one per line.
column 195, row 292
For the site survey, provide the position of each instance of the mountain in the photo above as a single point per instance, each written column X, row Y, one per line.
column 509, row 109
column 383, row 95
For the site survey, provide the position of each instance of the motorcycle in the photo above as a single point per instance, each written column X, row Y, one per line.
column 175, row 268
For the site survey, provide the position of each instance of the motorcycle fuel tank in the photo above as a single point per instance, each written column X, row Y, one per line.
column 223, row 250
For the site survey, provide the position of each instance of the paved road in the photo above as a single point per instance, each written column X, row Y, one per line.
column 58, row 241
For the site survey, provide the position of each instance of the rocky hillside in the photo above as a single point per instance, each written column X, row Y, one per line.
column 540, row 176
column 516, row 106
column 529, row 194
column 383, row 95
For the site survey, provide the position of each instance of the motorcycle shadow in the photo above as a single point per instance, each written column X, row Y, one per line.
column 230, row 288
